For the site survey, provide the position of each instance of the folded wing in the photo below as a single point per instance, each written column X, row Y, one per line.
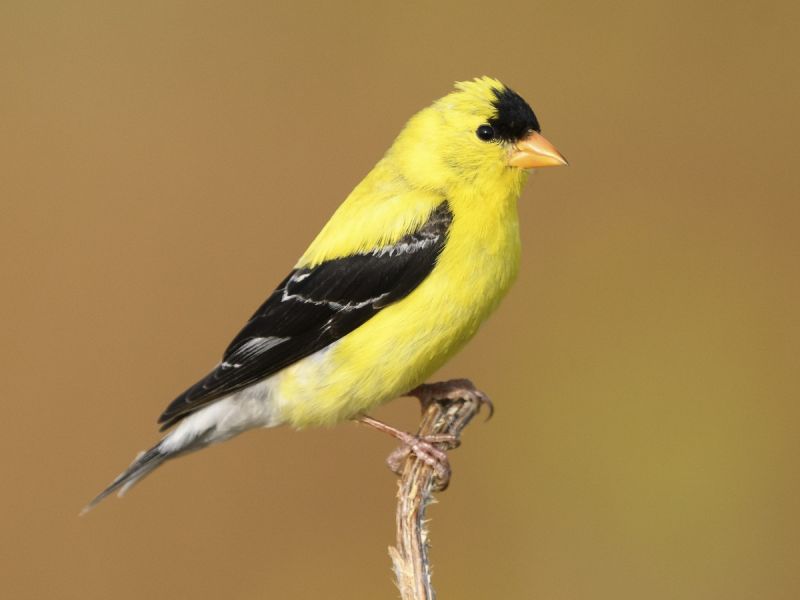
column 314, row 307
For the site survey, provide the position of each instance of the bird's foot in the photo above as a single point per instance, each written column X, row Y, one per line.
column 454, row 389
column 430, row 449
column 424, row 449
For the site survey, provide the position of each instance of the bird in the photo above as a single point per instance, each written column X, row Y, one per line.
column 398, row 280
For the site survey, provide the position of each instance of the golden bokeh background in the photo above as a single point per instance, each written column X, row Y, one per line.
column 163, row 164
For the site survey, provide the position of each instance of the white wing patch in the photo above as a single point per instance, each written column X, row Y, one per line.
column 330, row 303
column 401, row 247
column 404, row 246
column 250, row 348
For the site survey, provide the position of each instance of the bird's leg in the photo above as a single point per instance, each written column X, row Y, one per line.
column 453, row 389
column 420, row 446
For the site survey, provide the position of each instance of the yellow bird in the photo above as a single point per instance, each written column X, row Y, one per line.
column 397, row 281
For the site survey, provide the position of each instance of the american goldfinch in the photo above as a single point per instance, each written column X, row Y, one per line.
column 397, row 281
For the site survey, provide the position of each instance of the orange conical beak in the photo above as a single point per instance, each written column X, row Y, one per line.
column 535, row 151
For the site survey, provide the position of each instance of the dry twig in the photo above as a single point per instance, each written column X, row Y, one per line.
column 418, row 482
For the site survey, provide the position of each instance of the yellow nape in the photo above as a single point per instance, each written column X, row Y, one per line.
column 436, row 157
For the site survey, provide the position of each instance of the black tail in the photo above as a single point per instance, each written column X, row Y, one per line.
column 142, row 466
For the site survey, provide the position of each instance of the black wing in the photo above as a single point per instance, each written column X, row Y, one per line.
column 314, row 307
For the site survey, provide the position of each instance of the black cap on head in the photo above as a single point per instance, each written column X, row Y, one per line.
column 515, row 119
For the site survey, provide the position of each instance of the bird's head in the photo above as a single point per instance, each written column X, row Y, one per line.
column 481, row 133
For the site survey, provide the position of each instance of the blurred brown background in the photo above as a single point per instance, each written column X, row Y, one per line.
column 163, row 164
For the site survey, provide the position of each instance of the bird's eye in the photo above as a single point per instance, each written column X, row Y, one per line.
column 485, row 132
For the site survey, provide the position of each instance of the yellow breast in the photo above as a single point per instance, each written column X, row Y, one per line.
column 402, row 345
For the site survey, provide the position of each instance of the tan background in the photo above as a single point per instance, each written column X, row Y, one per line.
column 162, row 164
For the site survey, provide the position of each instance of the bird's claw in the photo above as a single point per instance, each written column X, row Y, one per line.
column 424, row 449
column 454, row 389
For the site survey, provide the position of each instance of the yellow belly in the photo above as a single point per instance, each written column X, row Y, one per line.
column 406, row 342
